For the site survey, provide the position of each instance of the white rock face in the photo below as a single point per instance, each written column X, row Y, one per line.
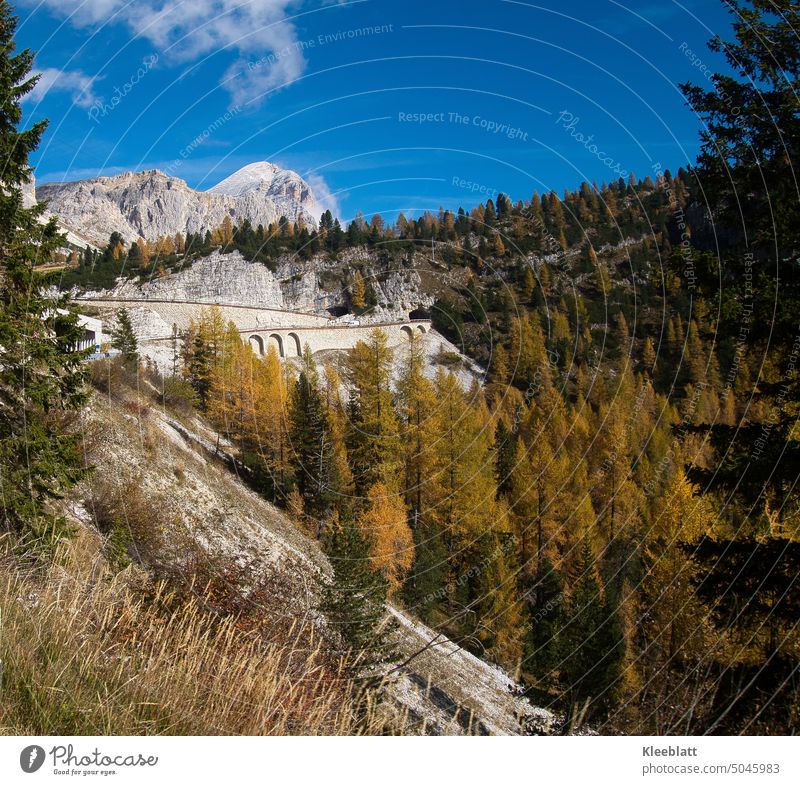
column 263, row 177
column 29, row 200
column 29, row 192
column 295, row 285
column 151, row 203
column 218, row 278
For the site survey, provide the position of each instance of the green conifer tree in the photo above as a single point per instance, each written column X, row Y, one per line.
column 123, row 339
column 312, row 443
column 41, row 376
column 197, row 365
column 545, row 611
column 354, row 600
column 592, row 645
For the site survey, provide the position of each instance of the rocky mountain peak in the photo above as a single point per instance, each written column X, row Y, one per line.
column 263, row 177
column 151, row 203
column 258, row 176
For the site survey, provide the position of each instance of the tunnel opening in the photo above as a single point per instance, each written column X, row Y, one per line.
column 419, row 313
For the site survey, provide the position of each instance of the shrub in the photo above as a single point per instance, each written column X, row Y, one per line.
column 178, row 395
column 111, row 376
column 449, row 359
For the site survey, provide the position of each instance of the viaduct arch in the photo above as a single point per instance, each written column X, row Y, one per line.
column 257, row 343
column 288, row 331
column 290, row 342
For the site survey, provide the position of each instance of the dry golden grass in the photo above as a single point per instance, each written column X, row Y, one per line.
column 85, row 650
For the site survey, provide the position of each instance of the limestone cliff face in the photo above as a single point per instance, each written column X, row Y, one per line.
column 315, row 285
column 322, row 283
column 218, row 278
column 151, row 203
column 29, row 192
column 29, row 200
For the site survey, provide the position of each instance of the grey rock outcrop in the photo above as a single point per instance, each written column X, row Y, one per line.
column 313, row 285
column 218, row 278
column 29, row 192
column 152, row 203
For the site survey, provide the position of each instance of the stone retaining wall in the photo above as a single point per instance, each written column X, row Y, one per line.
column 289, row 331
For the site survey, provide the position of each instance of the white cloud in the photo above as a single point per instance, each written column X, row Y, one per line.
column 76, row 83
column 255, row 30
column 325, row 198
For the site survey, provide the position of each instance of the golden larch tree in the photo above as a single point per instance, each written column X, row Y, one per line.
column 384, row 525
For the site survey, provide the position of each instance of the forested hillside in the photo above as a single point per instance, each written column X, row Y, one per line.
column 611, row 515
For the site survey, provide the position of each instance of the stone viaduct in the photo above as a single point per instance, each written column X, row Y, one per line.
column 291, row 342
column 288, row 331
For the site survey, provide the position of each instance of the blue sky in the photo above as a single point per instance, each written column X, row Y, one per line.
column 382, row 106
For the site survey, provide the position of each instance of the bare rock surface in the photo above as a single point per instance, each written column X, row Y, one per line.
column 151, row 203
